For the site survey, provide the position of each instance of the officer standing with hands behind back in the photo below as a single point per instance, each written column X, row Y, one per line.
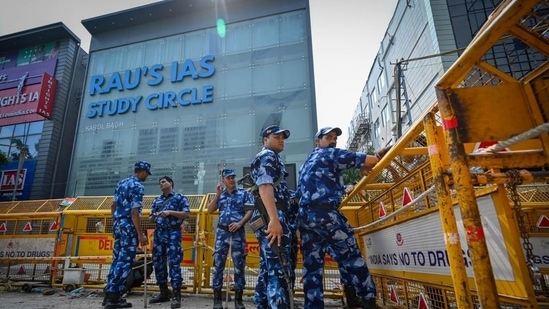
column 230, row 233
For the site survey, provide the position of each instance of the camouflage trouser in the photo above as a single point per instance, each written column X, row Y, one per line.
column 167, row 251
column 328, row 231
column 123, row 254
column 272, row 289
column 238, row 254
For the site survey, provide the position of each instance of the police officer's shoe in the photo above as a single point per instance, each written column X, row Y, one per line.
column 122, row 303
column 114, row 301
column 218, row 302
column 164, row 295
column 352, row 300
column 370, row 304
column 238, row 300
column 176, row 299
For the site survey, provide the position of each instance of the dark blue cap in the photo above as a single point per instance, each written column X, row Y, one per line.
column 227, row 173
column 327, row 130
column 144, row 165
column 274, row 129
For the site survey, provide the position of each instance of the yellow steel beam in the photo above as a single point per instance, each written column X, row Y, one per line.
column 476, row 240
column 436, row 143
column 495, row 71
column 502, row 178
column 510, row 230
column 514, row 159
column 533, row 106
column 415, row 151
column 378, row 186
column 530, row 39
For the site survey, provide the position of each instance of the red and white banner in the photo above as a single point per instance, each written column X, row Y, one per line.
column 27, row 103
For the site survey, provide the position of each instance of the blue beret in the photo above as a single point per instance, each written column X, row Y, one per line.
column 274, row 129
column 144, row 165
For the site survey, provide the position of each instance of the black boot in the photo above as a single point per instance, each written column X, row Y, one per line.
column 123, row 303
column 238, row 300
column 218, row 302
column 113, row 301
column 352, row 300
column 164, row 295
column 370, row 304
column 176, row 299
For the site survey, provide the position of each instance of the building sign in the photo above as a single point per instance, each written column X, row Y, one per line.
column 11, row 77
column 28, row 102
column 47, row 96
column 151, row 76
column 8, row 180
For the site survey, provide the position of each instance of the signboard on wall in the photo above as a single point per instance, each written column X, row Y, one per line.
column 27, row 247
column 24, row 182
column 11, row 77
column 28, row 103
column 418, row 245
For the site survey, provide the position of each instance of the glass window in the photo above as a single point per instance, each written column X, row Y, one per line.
column 384, row 116
column 36, row 127
column 380, row 83
column 20, row 129
column 33, row 143
column 6, row 131
column 377, row 129
column 265, row 32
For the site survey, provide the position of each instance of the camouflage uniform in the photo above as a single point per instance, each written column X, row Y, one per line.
column 127, row 195
column 272, row 289
column 167, row 238
column 324, row 228
column 231, row 209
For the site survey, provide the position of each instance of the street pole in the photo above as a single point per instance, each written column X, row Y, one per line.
column 22, row 153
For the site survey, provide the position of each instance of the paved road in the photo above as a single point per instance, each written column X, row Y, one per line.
column 89, row 299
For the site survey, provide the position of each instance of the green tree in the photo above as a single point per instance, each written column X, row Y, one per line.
column 351, row 176
column 3, row 158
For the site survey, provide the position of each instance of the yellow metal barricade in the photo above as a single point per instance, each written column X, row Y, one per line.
column 456, row 214
column 28, row 232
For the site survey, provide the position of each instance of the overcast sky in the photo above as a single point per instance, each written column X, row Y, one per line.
column 346, row 37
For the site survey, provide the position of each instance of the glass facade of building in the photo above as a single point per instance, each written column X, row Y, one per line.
column 194, row 103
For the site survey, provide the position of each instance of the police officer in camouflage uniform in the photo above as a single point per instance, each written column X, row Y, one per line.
column 323, row 227
column 269, row 173
column 126, row 211
column 168, row 212
column 232, row 217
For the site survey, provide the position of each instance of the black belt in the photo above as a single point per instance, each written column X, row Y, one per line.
column 332, row 206
column 168, row 227
column 120, row 218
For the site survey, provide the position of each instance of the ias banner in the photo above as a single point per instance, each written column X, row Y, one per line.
column 28, row 103
column 24, row 182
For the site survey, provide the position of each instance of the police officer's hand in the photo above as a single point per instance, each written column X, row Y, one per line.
column 143, row 241
column 218, row 189
column 383, row 151
column 274, row 232
column 164, row 213
column 233, row 227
